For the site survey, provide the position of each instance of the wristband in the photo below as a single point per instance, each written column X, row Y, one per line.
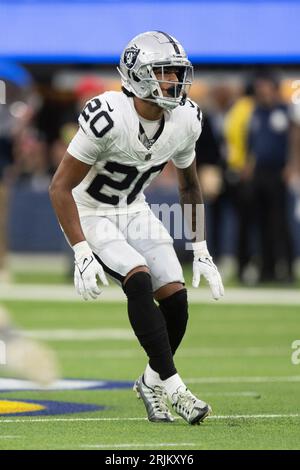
column 200, row 249
column 200, row 246
column 82, row 249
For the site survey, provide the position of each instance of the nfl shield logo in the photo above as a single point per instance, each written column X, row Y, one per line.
column 130, row 56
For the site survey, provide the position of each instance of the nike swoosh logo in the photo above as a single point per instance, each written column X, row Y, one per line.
column 205, row 262
column 109, row 108
column 85, row 264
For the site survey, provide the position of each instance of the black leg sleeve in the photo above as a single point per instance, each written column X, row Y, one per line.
column 149, row 324
column 175, row 311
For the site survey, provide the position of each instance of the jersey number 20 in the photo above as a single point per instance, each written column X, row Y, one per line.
column 131, row 173
column 91, row 107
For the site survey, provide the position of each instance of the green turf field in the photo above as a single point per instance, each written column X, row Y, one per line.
column 238, row 358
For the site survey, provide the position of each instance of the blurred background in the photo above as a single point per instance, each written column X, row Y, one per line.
column 55, row 55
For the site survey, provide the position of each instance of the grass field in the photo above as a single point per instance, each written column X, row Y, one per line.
column 236, row 357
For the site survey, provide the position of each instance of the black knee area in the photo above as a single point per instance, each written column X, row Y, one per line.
column 175, row 312
column 149, row 324
column 143, row 313
column 138, row 285
column 176, row 305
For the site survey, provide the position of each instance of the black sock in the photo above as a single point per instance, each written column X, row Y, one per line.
column 175, row 311
column 149, row 324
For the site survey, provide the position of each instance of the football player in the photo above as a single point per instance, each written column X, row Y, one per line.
column 24, row 357
column 124, row 140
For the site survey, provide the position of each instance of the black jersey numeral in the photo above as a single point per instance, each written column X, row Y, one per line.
column 198, row 114
column 198, row 110
column 99, row 181
column 142, row 181
column 91, row 107
column 131, row 174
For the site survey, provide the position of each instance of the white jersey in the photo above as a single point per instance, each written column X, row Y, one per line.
column 121, row 166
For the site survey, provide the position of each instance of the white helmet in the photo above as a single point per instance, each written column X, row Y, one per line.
column 159, row 51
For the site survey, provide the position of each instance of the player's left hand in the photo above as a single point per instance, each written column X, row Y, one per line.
column 203, row 265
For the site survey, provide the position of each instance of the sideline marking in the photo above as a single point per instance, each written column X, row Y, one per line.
column 233, row 295
column 81, row 335
column 250, row 351
column 11, row 385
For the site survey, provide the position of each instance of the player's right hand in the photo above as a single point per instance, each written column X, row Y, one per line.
column 203, row 265
column 87, row 270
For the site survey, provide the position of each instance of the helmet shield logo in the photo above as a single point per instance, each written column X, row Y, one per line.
column 130, row 56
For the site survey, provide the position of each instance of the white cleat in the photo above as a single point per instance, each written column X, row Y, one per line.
column 155, row 401
column 190, row 408
column 135, row 389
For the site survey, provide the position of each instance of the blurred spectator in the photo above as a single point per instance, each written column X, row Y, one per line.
column 35, row 131
column 6, row 125
column 211, row 160
column 209, row 167
column 292, row 178
column 86, row 88
column 239, row 188
column 268, row 150
column 31, row 167
column 13, row 117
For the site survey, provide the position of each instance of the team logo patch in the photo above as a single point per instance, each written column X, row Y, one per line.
column 43, row 407
column 130, row 56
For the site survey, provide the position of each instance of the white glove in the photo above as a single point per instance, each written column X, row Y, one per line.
column 204, row 265
column 86, row 271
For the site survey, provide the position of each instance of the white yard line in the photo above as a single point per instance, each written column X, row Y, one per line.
column 82, row 335
column 232, row 394
column 185, row 352
column 151, row 445
column 113, row 294
column 260, row 416
column 71, row 420
column 63, row 420
column 217, row 380
column 38, row 263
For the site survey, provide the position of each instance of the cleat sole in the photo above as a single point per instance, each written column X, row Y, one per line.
column 199, row 420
